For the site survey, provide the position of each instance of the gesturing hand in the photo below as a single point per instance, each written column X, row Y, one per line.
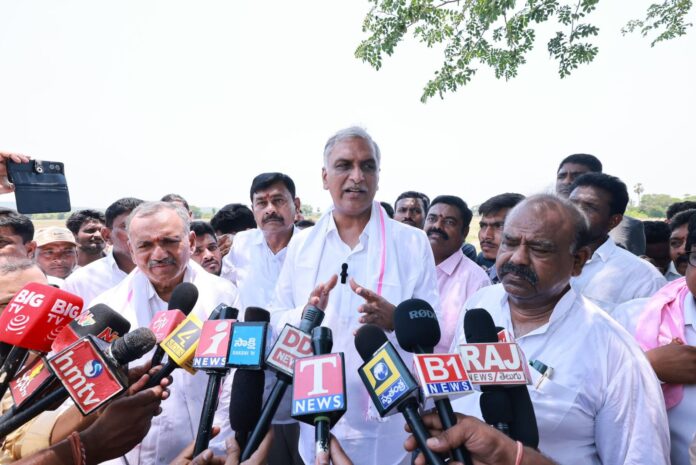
column 320, row 295
column 376, row 310
column 5, row 185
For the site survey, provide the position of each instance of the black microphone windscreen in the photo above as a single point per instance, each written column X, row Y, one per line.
column 257, row 314
column 246, row 399
column 311, row 318
column 103, row 317
column 184, row 298
column 225, row 312
column 416, row 326
column 133, row 345
column 496, row 407
column 479, row 326
column 368, row 339
column 322, row 340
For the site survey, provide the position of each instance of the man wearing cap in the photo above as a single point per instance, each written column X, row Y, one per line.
column 56, row 253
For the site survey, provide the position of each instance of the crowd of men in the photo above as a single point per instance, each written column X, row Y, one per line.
column 605, row 301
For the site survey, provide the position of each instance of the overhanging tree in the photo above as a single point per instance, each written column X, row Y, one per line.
column 499, row 34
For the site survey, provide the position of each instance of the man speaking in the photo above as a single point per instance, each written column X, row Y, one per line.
column 379, row 263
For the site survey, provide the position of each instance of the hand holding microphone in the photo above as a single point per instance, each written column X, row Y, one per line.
column 487, row 445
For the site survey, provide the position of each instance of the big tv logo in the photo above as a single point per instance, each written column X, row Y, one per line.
column 318, row 385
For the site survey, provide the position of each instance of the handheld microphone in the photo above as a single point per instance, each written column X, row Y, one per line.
column 211, row 356
column 31, row 321
column 248, row 340
column 292, row 343
column 418, row 331
column 183, row 299
column 390, row 384
column 89, row 371
column 35, row 379
column 319, row 388
column 246, row 400
column 499, row 366
column 100, row 321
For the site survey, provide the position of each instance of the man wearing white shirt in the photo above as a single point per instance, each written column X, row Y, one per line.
column 253, row 265
column 665, row 326
column 161, row 245
column 90, row 281
column 602, row 402
column 613, row 275
column 381, row 263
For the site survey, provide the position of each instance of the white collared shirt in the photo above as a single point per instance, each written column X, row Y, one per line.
column 410, row 272
column 253, row 267
column 603, row 403
column 671, row 274
column 91, row 280
column 136, row 299
column 614, row 276
column 682, row 417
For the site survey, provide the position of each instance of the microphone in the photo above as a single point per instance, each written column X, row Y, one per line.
column 390, row 384
column 211, row 356
column 100, row 321
column 418, row 331
column 247, row 347
column 90, row 372
column 183, row 299
column 34, row 380
column 292, row 343
column 319, row 388
column 246, row 400
column 499, row 366
column 248, row 340
column 31, row 321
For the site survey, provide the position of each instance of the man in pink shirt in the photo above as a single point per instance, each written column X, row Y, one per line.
column 447, row 225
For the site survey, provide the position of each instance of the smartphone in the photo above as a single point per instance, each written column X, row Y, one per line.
column 40, row 186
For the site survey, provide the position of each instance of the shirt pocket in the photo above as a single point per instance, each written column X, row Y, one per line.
column 552, row 402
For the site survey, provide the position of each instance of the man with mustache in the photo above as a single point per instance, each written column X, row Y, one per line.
column 207, row 252
column 599, row 402
column 161, row 244
column 56, row 253
column 678, row 227
column 86, row 226
column 458, row 278
column 381, row 263
column 612, row 275
column 254, row 263
column 629, row 232
column 493, row 212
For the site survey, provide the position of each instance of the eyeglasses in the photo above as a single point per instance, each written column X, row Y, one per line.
column 692, row 257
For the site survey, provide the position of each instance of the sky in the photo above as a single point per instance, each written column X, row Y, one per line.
column 142, row 98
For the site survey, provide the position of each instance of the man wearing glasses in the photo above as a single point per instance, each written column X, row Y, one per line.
column 665, row 327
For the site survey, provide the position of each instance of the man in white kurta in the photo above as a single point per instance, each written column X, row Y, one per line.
column 612, row 275
column 602, row 403
column 103, row 274
column 387, row 263
column 253, row 265
column 159, row 236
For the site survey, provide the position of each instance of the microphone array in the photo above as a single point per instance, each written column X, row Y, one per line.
column 89, row 350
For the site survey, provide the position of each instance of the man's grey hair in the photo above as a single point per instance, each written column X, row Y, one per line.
column 352, row 132
column 581, row 225
column 150, row 208
column 13, row 265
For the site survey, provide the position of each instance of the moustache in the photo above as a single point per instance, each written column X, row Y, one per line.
column 273, row 217
column 164, row 261
column 442, row 233
column 524, row 271
column 681, row 259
